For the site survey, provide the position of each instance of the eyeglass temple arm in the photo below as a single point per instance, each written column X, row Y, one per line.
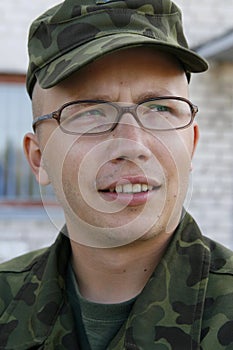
column 41, row 119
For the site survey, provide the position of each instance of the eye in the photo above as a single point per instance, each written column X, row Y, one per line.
column 158, row 108
column 92, row 113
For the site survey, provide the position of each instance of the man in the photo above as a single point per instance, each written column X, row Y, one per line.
column 130, row 269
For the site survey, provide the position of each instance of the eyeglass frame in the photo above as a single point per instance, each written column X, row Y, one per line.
column 56, row 115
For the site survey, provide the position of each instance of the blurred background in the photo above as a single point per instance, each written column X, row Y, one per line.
column 24, row 222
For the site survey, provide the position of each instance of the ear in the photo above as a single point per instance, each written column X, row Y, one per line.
column 34, row 157
column 195, row 141
column 195, row 137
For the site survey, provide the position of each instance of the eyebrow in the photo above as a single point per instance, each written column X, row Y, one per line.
column 140, row 98
column 153, row 94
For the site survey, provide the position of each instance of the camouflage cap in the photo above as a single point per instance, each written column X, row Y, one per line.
column 76, row 32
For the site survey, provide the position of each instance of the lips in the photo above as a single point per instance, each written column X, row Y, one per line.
column 130, row 183
column 130, row 191
column 132, row 188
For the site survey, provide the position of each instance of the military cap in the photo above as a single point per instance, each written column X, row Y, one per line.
column 76, row 32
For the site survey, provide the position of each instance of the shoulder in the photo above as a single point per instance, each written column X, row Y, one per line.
column 21, row 263
column 217, row 322
column 221, row 258
column 220, row 279
column 31, row 292
column 218, row 258
column 16, row 272
column 30, row 268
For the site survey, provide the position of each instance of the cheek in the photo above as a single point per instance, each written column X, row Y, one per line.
column 61, row 157
column 175, row 156
column 71, row 167
column 177, row 151
column 79, row 172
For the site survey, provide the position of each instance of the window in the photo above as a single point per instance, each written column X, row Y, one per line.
column 17, row 183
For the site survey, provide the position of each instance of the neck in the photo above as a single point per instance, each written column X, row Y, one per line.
column 113, row 275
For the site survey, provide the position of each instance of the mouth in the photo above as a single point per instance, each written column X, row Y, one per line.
column 130, row 190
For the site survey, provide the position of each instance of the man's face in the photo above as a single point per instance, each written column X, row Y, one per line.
column 128, row 184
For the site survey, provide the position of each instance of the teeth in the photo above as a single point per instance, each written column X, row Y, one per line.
column 135, row 188
column 119, row 188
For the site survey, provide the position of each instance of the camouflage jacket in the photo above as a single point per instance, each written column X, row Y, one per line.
column 187, row 303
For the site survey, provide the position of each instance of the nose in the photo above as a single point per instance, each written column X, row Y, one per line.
column 131, row 142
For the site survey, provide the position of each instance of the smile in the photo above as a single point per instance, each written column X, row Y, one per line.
column 132, row 191
column 131, row 188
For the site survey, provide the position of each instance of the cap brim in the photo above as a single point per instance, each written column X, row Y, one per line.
column 63, row 66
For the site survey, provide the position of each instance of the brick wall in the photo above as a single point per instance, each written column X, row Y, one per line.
column 212, row 177
column 212, row 199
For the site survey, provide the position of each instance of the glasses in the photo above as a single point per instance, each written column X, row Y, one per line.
column 94, row 117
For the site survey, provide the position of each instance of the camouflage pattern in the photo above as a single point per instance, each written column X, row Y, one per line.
column 76, row 32
column 186, row 305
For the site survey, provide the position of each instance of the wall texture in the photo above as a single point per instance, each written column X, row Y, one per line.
column 212, row 200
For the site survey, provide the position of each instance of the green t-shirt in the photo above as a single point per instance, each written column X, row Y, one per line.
column 96, row 323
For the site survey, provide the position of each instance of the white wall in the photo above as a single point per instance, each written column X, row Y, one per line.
column 16, row 16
